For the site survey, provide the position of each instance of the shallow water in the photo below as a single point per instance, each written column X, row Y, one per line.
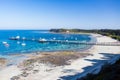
column 32, row 46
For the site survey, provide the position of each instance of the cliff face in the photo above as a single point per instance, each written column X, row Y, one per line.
column 108, row 72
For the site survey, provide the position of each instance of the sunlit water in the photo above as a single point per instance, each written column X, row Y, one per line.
column 33, row 46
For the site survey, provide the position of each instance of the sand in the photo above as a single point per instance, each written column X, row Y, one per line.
column 77, row 67
column 8, row 72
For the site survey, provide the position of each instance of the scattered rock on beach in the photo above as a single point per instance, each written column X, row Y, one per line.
column 15, row 78
column 28, row 62
column 24, row 74
column 35, row 71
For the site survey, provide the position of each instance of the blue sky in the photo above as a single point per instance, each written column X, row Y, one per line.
column 47, row 14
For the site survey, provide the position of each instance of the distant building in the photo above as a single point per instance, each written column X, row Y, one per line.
column 67, row 31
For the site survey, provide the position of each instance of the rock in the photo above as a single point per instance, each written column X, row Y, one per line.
column 15, row 78
column 24, row 74
column 35, row 71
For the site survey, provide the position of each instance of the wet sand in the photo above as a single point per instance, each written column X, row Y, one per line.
column 3, row 62
column 55, row 58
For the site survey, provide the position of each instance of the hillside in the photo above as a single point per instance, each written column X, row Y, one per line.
column 107, row 32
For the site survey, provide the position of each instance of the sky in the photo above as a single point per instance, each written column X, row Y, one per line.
column 47, row 14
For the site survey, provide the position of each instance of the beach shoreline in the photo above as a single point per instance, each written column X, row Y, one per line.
column 39, row 70
column 25, row 55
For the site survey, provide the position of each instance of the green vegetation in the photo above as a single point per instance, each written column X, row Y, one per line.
column 108, row 72
column 107, row 32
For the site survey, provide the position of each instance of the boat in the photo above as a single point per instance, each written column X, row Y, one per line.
column 42, row 40
column 17, row 37
column 23, row 44
column 4, row 42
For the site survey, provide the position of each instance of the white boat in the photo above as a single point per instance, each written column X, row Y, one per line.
column 42, row 40
column 23, row 44
column 17, row 37
column 4, row 42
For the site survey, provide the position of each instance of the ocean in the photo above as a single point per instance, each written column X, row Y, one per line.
column 16, row 47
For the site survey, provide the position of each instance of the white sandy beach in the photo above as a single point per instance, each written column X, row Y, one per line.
column 79, row 67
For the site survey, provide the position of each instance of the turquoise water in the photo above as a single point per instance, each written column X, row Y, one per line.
column 33, row 46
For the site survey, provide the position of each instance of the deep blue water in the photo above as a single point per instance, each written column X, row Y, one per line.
column 32, row 46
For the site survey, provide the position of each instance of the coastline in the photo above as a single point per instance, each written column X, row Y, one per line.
column 15, row 55
column 75, row 68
